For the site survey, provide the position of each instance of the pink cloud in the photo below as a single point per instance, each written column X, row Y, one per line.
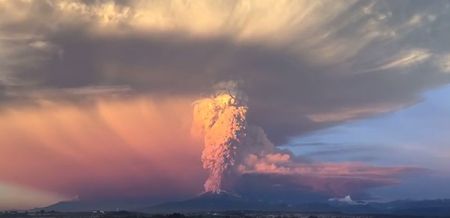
column 137, row 147
column 336, row 179
column 142, row 147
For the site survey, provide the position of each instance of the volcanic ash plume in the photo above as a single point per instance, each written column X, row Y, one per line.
column 221, row 120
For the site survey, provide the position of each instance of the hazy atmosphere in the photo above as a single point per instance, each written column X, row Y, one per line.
column 283, row 101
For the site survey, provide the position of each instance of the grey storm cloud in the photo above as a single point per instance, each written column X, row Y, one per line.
column 304, row 66
column 317, row 65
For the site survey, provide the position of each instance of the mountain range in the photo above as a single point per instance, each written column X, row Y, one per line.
column 224, row 201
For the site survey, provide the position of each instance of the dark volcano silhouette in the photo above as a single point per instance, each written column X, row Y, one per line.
column 225, row 201
column 208, row 201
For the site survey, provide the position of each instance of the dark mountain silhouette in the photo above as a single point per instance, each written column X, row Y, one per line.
column 95, row 205
column 208, row 201
column 224, row 201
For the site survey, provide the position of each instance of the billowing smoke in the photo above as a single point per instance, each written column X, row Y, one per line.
column 233, row 147
column 229, row 139
column 221, row 120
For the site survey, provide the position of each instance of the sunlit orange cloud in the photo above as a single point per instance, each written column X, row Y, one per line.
column 142, row 147
column 337, row 179
column 128, row 148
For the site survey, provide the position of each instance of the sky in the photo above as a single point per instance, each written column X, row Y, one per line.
column 312, row 100
column 416, row 135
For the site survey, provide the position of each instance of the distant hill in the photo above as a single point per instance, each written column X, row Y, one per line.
column 224, row 201
column 438, row 207
column 97, row 205
column 210, row 202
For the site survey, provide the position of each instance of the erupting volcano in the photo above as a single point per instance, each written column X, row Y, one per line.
column 221, row 119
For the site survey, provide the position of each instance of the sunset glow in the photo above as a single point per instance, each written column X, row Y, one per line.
column 140, row 102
